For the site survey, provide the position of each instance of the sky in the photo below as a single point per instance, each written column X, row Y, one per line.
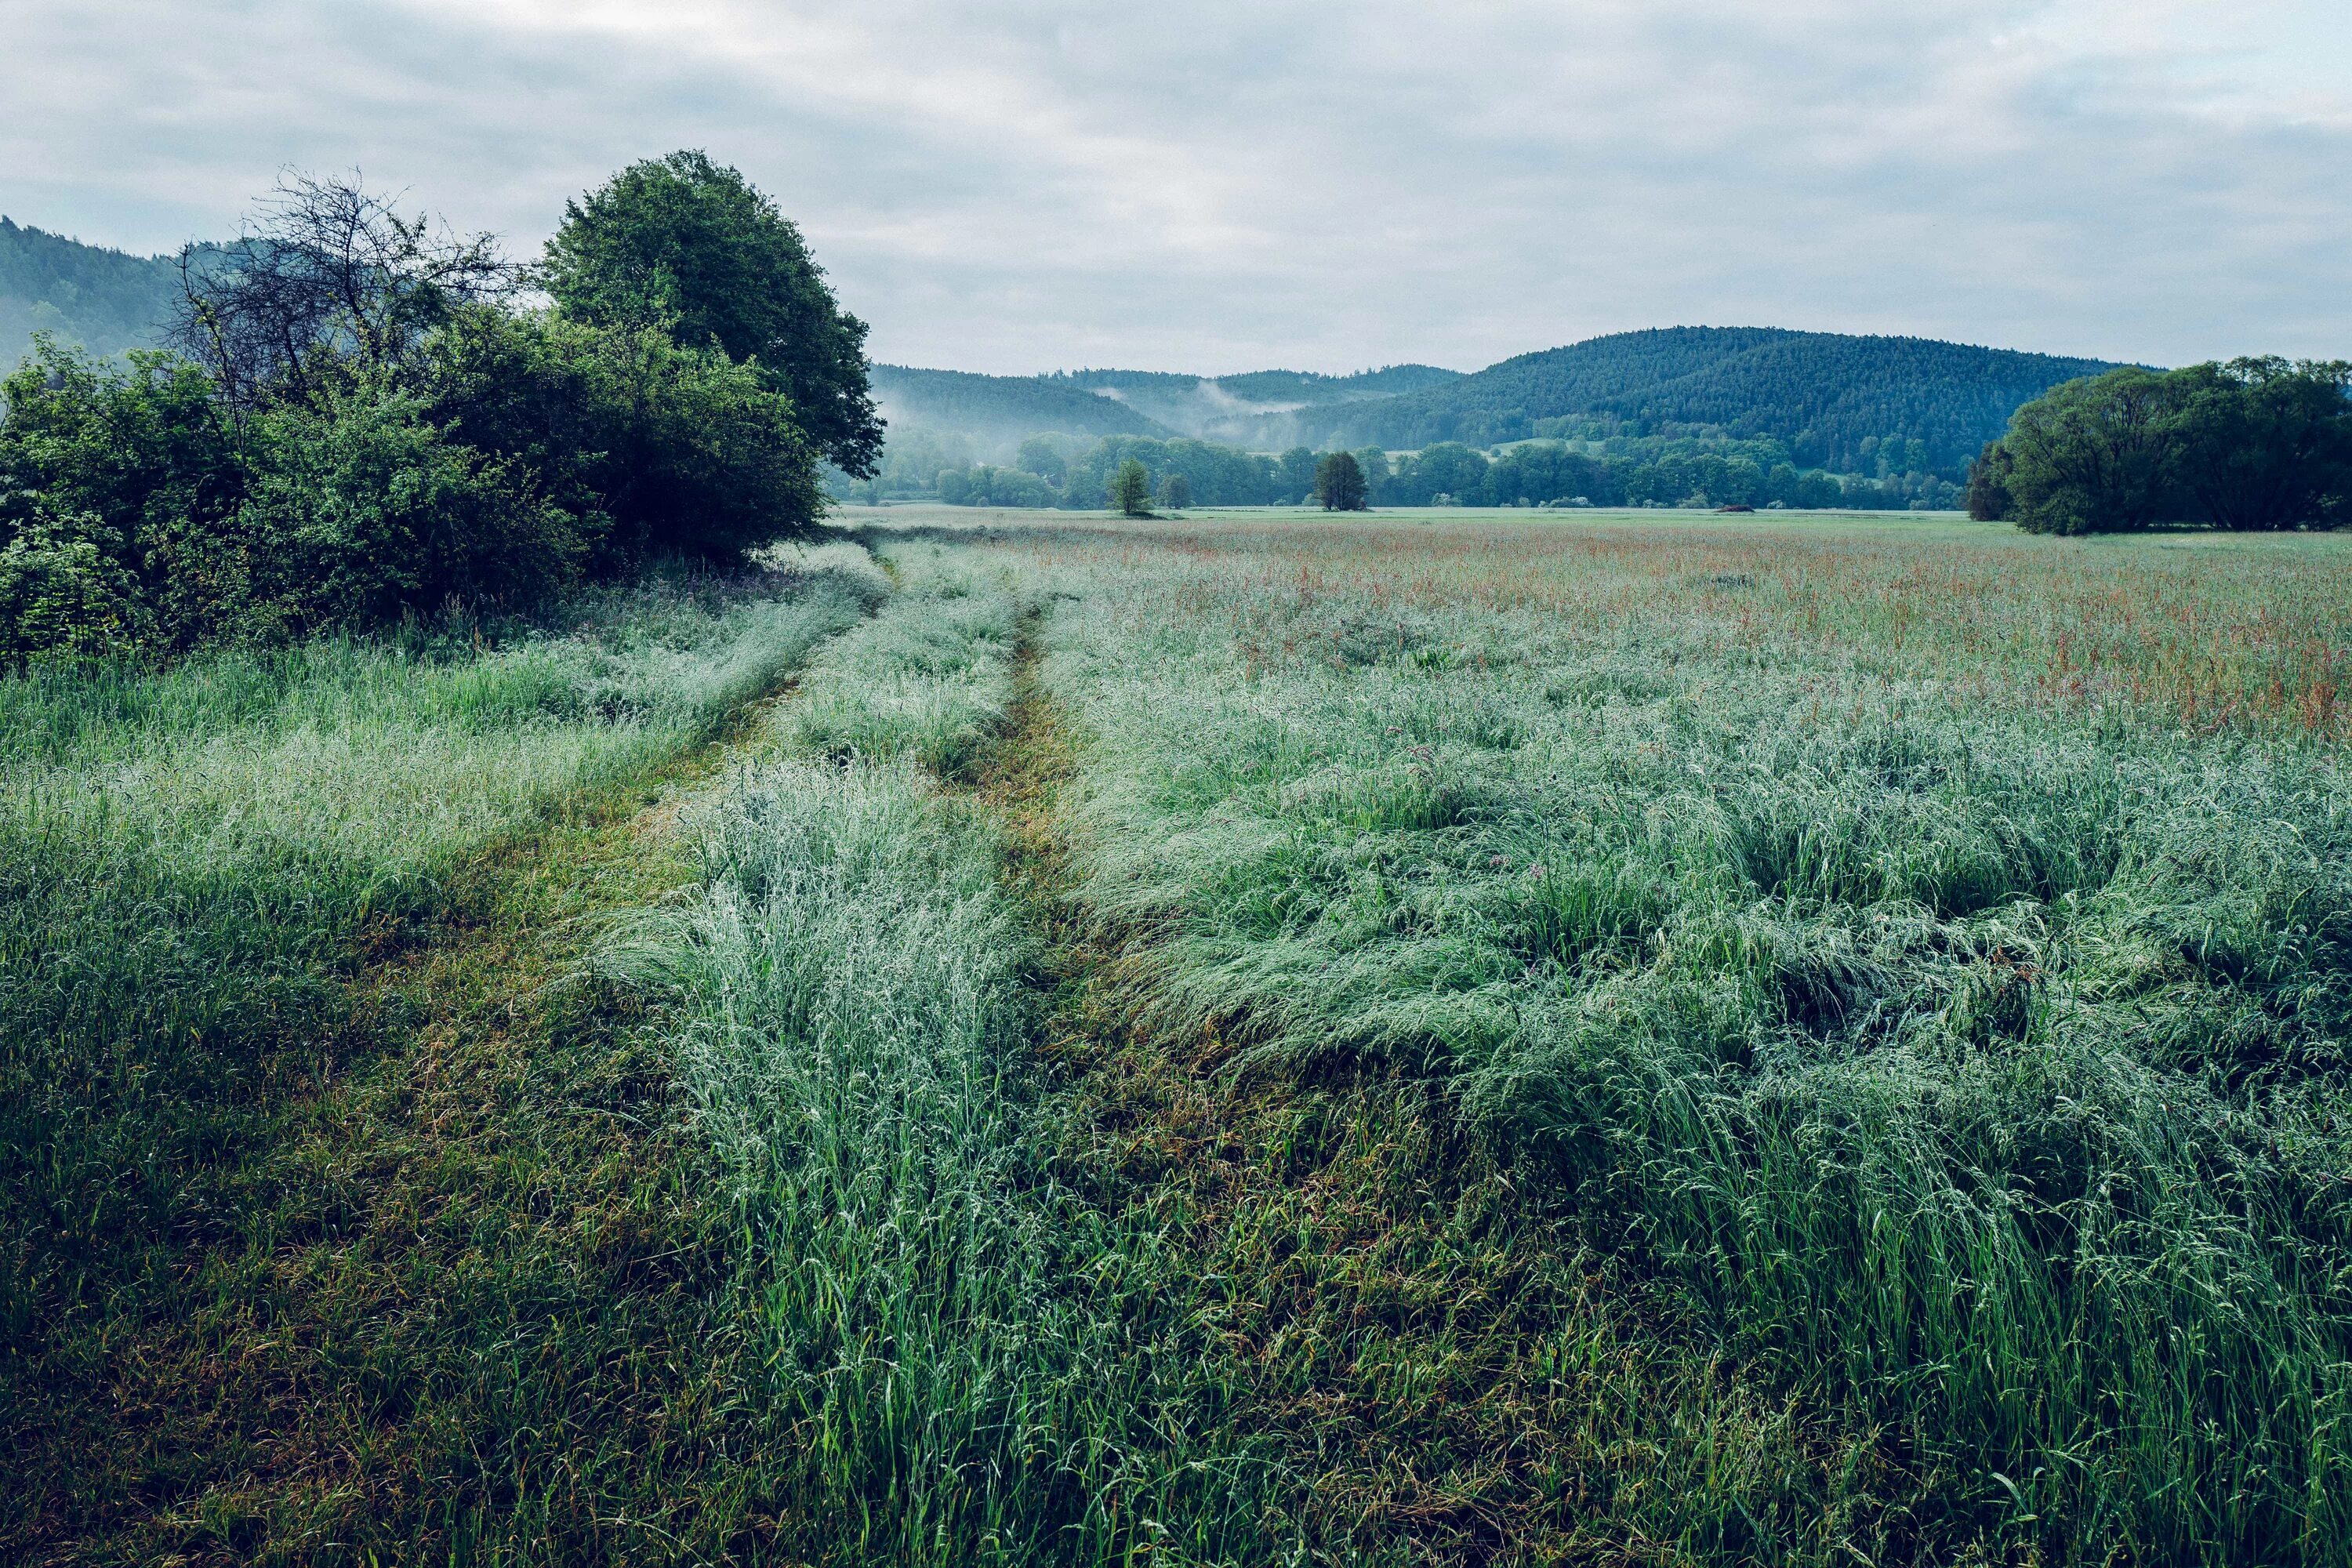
column 1220, row 185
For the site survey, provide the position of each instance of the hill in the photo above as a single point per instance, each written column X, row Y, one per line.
column 1253, row 409
column 1833, row 399
column 999, row 411
column 105, row 301
column 1257, row 410
column 1836, row 402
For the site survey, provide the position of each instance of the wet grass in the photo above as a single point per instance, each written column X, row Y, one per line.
column 1397, row 1042
column 336, row 1226
column 1976, row 1064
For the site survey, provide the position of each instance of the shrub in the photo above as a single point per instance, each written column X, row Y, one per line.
column 64, row 590
column 679, row 452
column 130, row 462
column 358, row 515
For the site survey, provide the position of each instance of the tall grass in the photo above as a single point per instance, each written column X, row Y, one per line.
column 971, row 1364
column 190, row 857
column 1974, row 1050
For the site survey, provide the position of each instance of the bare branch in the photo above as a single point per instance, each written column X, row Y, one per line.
column 326, row 281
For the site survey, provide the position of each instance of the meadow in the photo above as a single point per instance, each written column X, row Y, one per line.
column 1428, row 1038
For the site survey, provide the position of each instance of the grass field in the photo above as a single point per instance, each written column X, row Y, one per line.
column 1428, row 1038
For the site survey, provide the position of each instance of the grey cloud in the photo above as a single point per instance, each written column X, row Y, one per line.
column 1219, row 185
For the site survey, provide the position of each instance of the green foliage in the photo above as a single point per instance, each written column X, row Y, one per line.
column 66, row 593
column 136, row 463
column 1130, row 491
column 1617, row 471
column 2263, row 444
column 685, row 245
column 1989, row 499
column 354, row 515
column 2092, row 457
column 1044, row 457
column 363, row 442
column 1175, row 492
column 2256, row 443
column 1339, row 483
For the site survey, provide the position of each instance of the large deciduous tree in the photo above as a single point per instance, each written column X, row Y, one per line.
column 1339, row 483
column 2094, row 456
column 2262, row 443
column 2252, row 444
column 693, row 247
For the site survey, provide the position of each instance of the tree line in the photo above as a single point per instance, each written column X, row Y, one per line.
column 360, row 417
column 2254, row 444
column 1075, row 473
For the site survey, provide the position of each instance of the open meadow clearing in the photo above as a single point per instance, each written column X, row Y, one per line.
column 1421, row 1038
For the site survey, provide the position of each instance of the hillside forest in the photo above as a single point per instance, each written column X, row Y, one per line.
column 84, row 296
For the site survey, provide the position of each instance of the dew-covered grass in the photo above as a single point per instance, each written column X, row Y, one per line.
column 1931, row 956
column 197, row 862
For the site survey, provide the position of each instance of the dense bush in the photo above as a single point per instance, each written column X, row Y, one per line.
column 2256, row 444
column 351, row 516
column 364, row 425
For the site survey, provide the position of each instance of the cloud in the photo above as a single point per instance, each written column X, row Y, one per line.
column 1211, row 184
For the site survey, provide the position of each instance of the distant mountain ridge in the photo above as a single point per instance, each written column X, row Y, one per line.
column 1835, row 401
column 105, row 301
column 1824, row 394
column 1000, row 411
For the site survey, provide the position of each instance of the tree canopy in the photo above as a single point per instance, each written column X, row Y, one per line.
column 1339, row 483
column 692, row 247
column 1130, row 491
column 2249, row 443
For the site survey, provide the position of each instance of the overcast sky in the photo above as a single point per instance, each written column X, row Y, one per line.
column 1218, row 185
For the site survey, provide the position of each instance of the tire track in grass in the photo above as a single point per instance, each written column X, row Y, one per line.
column 469, row 1309
column 969, row 1360
column 1449, row 1373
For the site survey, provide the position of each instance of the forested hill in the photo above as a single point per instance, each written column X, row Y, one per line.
column 999, row 410
column 1255, row 409
column 1823, row 394
column 105, row 301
